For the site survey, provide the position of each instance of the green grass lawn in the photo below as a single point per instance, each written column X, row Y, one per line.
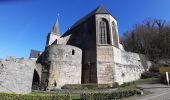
column 132, row 85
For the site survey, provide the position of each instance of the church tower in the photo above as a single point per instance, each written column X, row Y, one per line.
column 54, row 34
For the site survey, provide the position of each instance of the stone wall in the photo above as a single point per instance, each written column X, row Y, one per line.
column 128, row 66
column 64, row 62
column 16, row 75
column 115, row 65
column 105, row 65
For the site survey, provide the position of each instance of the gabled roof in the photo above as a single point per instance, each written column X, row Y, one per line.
column 35, row 54
column 99, row 10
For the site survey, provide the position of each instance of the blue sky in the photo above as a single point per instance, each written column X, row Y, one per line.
column 24, row 24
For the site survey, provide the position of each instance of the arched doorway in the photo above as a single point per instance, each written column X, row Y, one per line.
column 35, row 81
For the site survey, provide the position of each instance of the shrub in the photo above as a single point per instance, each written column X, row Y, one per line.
column 90, row 86
column 154, row 68
column 6, row 96
column 149, row 75
column 109, row 96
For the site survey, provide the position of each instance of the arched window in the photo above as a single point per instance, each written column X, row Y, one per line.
column 104, row 35
column 115, row 37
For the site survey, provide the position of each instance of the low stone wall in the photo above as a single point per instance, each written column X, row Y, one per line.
column 128, row 66
column 16, row 75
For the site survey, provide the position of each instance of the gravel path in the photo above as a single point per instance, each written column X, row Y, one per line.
column 158, row 92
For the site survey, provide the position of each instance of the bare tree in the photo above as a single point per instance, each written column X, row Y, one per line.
column 152, row 37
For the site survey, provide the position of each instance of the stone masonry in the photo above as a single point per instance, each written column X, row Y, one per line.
column 16, row 75
column 64, row 62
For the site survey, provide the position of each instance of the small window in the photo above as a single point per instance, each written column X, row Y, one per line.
column 55, row 83
column 73, row 51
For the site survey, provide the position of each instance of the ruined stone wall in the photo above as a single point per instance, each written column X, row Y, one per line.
column 115, row 65
column 64, row 62
column 16, row 75
column 128, row 66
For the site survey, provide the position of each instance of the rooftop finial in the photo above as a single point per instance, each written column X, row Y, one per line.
column 58, row 16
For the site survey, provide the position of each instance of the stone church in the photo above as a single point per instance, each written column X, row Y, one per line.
column 88, row 52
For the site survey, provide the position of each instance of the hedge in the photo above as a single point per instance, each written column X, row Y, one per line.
column 6, row 96
column 84, row 96
column 109, row 96
column 90, row 86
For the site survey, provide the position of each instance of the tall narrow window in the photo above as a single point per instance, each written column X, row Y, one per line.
column 115, row 37
column 73, row 51
column 104, row 35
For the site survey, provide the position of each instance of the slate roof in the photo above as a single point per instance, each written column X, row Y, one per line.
column 99, row 10
column 55, row 29
column 35, row 54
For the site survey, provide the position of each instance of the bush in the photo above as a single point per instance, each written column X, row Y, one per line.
column 6, row 96
column 109, row 96
column 149, row 75
column 154, row 68
column 90, row 86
